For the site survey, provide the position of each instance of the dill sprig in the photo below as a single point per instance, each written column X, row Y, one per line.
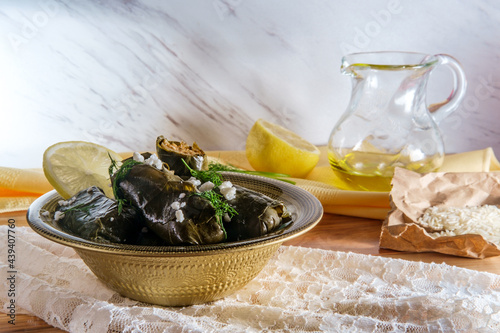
column 117, row 177
column 85, row 208
column 216, row 199
column 113, row 166
column 218, row 167
column 220, row 205
column 205, row 175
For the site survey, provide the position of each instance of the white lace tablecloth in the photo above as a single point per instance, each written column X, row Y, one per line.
column 300, row 290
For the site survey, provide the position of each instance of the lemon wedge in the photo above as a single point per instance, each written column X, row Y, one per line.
column 273, row 148
column 73, row 166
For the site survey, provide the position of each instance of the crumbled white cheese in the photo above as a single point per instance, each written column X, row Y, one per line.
column 138, row 157
column 207, row 186
column 194, row 181
column 175, row 205
column 183, row 204
column 228, row 190
column 229, row 193
column 179, row 216
column 182, row 195
column 64, row 203
column 227, row 218
column 45, row 213
column 154, row 161
column 58, row 215
column 226, row 184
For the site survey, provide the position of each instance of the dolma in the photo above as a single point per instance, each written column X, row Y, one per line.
column 169, row 207
column 91, row 215
column 174, row 152
column 257, row 215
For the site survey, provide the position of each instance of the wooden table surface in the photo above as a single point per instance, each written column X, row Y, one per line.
column 334, row 232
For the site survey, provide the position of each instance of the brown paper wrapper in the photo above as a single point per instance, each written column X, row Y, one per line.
column 412, row 193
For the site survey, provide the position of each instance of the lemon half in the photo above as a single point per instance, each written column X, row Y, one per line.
column 73, row 166
column 273, row 148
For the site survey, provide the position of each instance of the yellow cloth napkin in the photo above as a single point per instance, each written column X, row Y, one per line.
column 20, row 187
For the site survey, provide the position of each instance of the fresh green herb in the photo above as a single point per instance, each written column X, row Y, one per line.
column 117, row 177
column 220, row 205
column 216, row 199
column 218, row 167
column 80, row 208
column 113, row 166
column 205, row 175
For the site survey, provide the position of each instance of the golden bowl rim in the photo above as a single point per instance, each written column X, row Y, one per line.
column 314, row 216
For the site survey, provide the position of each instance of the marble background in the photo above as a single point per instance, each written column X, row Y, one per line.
column 119, row 73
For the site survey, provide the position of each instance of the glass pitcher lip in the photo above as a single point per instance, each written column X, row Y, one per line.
column 388, row 60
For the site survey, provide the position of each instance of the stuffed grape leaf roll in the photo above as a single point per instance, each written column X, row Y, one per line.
column 257, row 215
column 91, row 215
column 178, row 155
column 169, row 206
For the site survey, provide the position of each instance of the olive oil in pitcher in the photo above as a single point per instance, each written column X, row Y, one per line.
column 387, row 123
column 362, row 171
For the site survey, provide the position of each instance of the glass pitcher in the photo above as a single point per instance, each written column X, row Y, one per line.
column 387, row 123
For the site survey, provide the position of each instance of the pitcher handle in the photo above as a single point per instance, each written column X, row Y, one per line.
column 443, row 109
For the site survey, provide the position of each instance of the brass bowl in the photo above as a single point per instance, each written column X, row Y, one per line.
column 185, row 275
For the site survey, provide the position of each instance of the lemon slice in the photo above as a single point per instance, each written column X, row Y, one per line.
column 273, row 148
column 73, row 166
